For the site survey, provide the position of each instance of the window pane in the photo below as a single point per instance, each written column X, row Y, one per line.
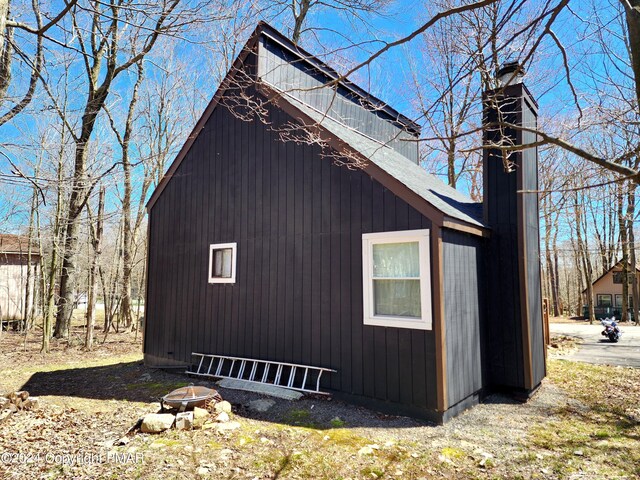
column 396, row 260
column 397, row 297
column 226, row 263
column 222, row 263
column 603, row 300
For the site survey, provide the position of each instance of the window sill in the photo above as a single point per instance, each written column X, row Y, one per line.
column 398, row 322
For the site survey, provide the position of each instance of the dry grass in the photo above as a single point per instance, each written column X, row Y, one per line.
column 563, row 345
column 571, row 320
column 599, row 437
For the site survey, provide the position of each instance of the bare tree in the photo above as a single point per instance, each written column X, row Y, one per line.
column 582, row 249
column 99, row 50
column 448, row 106
column 124, row 140
column 96, row 228
column 9, row 49
column 300, row 10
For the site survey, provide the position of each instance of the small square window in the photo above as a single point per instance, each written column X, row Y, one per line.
column 397, row 279
column 222, row 263
column 617, row 277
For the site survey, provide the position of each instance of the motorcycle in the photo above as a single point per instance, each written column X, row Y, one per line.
column 611, row 329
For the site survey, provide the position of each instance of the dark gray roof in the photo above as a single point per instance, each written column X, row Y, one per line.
column 448, row 200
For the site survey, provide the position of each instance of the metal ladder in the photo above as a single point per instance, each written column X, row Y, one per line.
column 303, row 378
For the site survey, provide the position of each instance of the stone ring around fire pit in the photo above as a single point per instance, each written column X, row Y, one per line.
column 188, row 397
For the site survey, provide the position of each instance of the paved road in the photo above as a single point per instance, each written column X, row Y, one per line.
column 596, row 348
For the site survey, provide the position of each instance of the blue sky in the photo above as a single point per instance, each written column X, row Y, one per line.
column 386, row 78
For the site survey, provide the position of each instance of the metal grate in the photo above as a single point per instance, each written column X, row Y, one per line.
column 303, row 378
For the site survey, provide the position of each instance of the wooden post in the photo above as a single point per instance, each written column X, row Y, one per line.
column 545, row 323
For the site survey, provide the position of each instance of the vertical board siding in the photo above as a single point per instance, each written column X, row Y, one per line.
column 504, row 319
column 513, row 296
column 463, row 307
column 13, row 285
column 298, row 79
column 298, row 221
column 532, row 238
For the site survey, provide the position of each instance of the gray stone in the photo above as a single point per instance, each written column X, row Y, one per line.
column 199, row 413
column 30, row 403
column 261, row 405
column 223, row 406
column 157, row 422
column 227, row 426
column 184, row 421
column 222, row 417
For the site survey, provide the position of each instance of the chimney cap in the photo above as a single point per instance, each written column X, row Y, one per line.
column 510, row 73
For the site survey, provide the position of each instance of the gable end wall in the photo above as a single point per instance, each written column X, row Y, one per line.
column 298, row 221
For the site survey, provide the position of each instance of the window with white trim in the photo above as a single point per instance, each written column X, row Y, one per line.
column 222, row 263
column 396, row 279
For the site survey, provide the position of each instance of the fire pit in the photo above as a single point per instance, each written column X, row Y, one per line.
column 189, row 397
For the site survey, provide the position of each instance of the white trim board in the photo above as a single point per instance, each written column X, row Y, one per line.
column 234, row 250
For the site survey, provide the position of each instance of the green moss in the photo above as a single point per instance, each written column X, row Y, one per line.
column 372, row 471
column 300, row 417
column 452, row 453
column 337, row 423
column 213, row 444
column 245, row 440
column 345, row 437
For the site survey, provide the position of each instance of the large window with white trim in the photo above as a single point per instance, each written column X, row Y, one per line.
column 396, row 279
column 222, row 263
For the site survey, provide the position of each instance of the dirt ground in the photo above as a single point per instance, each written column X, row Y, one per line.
column 582, row 423
column 573, row 320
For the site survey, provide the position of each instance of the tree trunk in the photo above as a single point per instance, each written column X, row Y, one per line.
column 5, row 50
column 632, row 9
column 4, row 13
column 299, row 17
column 67, row 275
column 27, row 294
column 555, row 287
column 128, row 234
column 451, row 163
column 624, row 243
column 50, row 304
column 79, row 193
column 96, row 241
column 127, row 244
column 583, row 251
column 631, row 208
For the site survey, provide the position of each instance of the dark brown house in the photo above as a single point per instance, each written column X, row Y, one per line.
column 419, row 298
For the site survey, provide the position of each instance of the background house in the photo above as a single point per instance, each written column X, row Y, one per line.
column 607, row 293
column 15, row 295
column 421, row 299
